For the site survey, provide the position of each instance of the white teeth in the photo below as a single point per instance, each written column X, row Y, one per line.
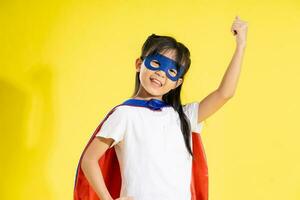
column 156, row 81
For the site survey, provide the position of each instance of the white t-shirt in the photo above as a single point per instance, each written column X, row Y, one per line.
column 153, row 158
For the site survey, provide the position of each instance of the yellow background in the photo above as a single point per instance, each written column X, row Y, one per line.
column 65, row 64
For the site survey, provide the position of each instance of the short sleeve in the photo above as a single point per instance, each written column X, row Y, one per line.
column 191, row 111
column 114, row 125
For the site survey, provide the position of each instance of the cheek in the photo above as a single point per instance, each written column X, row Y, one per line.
column 170, row 84
column 144, row 70
column 145, row 74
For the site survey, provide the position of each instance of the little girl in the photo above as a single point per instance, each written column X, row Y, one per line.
column 149, row 146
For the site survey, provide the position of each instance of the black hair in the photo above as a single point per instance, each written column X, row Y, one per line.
column 159, row 44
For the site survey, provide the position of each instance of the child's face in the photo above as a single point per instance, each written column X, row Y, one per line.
column 163, row 84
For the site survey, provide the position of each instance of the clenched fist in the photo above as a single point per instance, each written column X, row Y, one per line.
column 239, row 29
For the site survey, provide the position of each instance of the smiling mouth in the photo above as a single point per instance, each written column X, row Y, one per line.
column 156, row 82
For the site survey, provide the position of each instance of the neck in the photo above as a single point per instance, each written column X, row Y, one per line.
column 143, row 94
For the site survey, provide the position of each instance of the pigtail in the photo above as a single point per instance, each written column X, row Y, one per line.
column 173, row 99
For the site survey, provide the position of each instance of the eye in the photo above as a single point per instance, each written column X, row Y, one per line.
column 155, row 63
column 172, row 72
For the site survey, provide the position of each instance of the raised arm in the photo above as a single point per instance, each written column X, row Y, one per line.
column 215, row 100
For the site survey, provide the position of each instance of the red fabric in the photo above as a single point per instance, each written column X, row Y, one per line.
column 199, row 180
column 110, row 169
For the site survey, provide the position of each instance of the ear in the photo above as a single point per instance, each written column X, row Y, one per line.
column 179, row 82
column 138, row 63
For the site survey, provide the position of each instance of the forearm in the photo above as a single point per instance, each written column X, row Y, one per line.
column 230, row 79
column 94, row 175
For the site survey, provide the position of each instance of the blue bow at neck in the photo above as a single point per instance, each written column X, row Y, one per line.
column 153, row 104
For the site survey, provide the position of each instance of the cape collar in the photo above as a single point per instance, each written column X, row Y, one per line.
column 153, row 104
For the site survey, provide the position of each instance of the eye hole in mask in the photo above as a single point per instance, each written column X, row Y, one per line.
column 172, row 72
column 156, row 64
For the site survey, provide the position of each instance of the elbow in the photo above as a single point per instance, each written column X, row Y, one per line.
column 85, row 162
column 226, row 95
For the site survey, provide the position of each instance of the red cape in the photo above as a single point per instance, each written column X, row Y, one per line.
column 109, row 165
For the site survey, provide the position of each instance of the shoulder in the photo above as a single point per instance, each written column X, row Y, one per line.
column 191, row 111
column 121, row 110
column 190, row 107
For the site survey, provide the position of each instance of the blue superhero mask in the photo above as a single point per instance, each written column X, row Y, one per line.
column 160, row 62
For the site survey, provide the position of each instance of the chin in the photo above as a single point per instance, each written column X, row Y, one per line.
column 154, row 91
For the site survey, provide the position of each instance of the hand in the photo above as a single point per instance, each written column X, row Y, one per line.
column 239, row 29
column 125, row 198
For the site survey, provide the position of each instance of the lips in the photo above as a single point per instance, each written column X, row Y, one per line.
column 156, row 81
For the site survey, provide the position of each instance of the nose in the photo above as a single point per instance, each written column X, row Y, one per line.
column 161, row 73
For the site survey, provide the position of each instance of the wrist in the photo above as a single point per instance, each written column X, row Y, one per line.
column 241, row 46
column 105, row 195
